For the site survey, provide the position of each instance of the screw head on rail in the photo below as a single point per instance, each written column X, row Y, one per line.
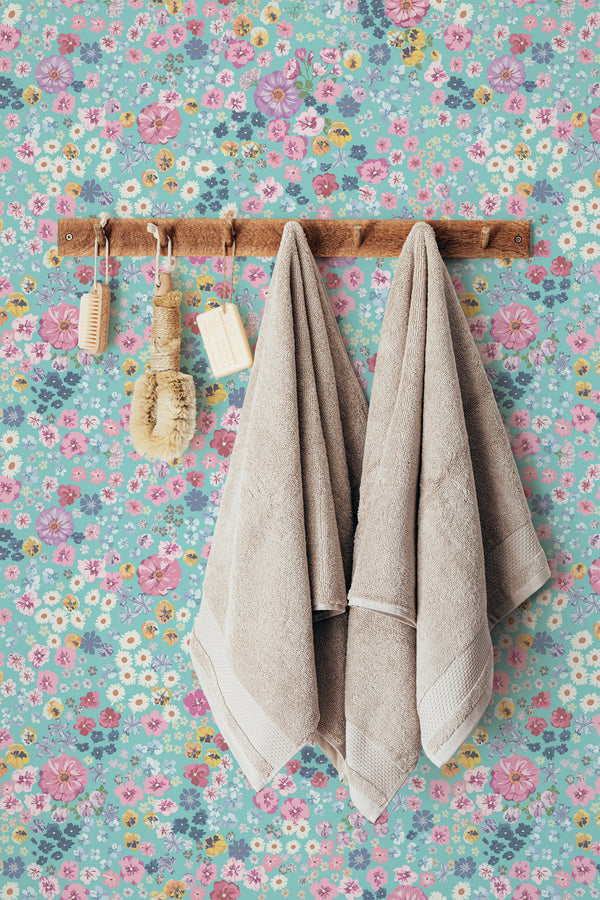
column 68, row 237
column 518, row 239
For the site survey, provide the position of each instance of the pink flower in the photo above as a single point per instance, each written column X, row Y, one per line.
column 407, row 892
column 225, row 890
column 74, row 891
column 583, row 419
column 406, row 13
column 63, row 778
column 9, row 489
column 594, row 575
column 156, row 785
column 158, row 575
column 153, row 723
column 324, row 890
column 525, row 444
column 295, row 809
column 266, row 800
column 584, row 870
column 196, row 703
column 59, row 326
column 594, row 123
column 514, row 326
column 129, row 793
column 158, row 124
column 373, row 171
column 560, row 718
column 132, row 869
column 457, row 37
column 514, row 777
column 223, row 441
column 581, row 793
column 74, row 444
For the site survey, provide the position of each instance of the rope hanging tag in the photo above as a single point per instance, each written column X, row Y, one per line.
column 223, row 334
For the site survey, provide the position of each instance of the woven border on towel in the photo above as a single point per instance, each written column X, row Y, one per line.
column 374, row 778
column 522, row 554
column 461, row 694
column 260, row 747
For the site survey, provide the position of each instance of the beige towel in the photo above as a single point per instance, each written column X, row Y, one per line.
column 444, row 547
column 269, row 642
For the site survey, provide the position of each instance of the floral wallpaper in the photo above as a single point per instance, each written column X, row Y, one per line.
column 114, row 779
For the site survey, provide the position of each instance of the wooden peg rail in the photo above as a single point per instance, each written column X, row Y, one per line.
column 261, row 237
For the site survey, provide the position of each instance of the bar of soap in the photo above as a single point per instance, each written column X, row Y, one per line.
column 225, row 340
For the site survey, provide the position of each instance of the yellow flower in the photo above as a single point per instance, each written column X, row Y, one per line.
column 504, row 709
column 17, row 756
column 578, row 570
column 164, row 611
column 215, row 845
column 150, row 630
column 320, row 145
column 31, row 546
column 71, row 151
column 395, row 38
column 483, row 95
column 583, row 389
column 131, row 840
column 259, row 37
column 171, row 185
column 212, row 758
column 583, row 840
column 205, row 734
column 270, row 14
column 581, row 818
column 524, row 189
column 581, row 366
column 127, row 119
column 17, row 304
column 32, row 94
column 19, row 835
column 190, row 558
column 53, row 709
column 29, row 735
column 522, row 151
column 193, row 750
column 174, row 6
column 470, row 304
column 191, row 106
column 230, row 148
column 215, row 393
column 129, row 818
column 471, row 834
column 579, row 119
column 19, row 383
column 127, row 570
column 242, row 26
column 412, row 56
column 171, row 636
column 165, row 160
column 352, row 60
column 339, row 134
column 468, row 756
column 416, row 37
column 175, row 889
column 250, row 149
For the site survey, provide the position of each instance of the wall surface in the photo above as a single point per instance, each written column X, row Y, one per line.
column 114, row 779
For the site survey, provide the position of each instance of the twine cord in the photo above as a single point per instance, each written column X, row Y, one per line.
column 166, row 334
column 225, row 295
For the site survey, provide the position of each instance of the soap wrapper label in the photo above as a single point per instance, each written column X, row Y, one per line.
column 225, row 340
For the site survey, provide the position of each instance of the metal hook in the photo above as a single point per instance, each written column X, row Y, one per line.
column 357, row 236
column 485, row 236
column 153, row 229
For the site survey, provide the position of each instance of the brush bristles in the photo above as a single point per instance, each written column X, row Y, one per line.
column 94, row 313
column 163, row 414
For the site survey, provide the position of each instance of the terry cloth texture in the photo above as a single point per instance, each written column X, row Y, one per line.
column 444, row 547
column 269, row 641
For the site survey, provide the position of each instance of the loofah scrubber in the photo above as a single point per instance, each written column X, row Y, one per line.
column 163, row 405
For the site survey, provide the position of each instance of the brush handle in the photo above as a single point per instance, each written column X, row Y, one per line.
column 166, row 331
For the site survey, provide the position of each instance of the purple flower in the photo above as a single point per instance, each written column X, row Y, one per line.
column 54, row 525
column 276, row 96
column 54, row 74
column 506, row 74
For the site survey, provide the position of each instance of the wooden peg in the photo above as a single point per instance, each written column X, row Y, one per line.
column 485, row 236
column 357, row 236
